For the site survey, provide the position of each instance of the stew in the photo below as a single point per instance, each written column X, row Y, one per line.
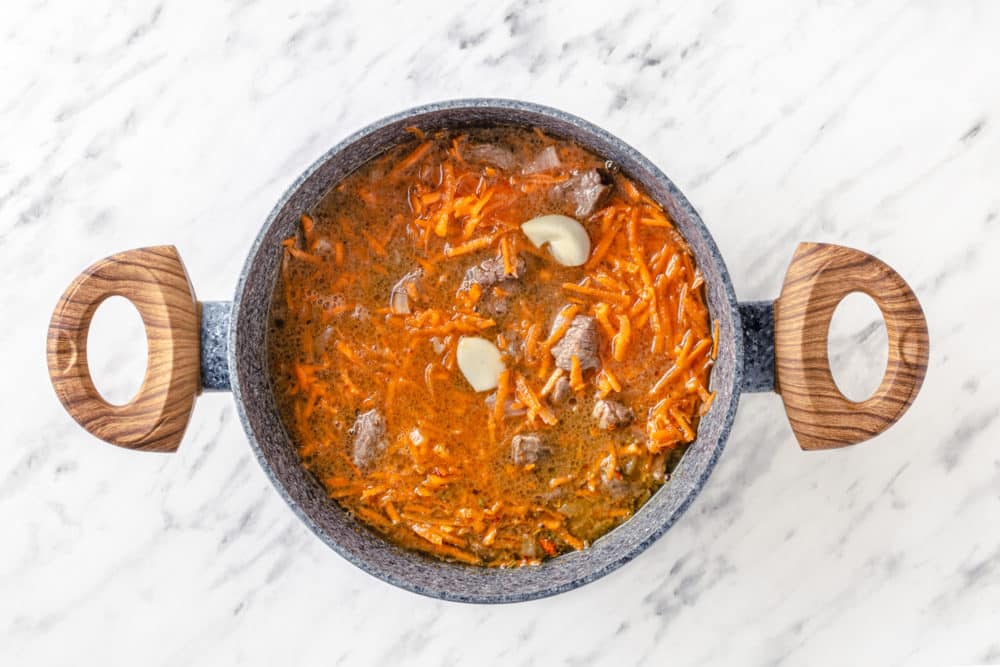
column 412, row 282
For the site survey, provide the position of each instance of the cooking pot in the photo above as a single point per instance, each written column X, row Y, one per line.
column 778, row 346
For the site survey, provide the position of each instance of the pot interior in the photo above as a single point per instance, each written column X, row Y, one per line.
column 363, row 547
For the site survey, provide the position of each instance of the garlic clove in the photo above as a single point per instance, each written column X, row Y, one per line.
column 568, row 241
column 480, row 362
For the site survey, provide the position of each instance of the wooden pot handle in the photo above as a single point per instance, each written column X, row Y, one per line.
column 155, row 281
column 818, row 278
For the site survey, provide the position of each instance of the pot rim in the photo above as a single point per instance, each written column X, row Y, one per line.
column 725, row 418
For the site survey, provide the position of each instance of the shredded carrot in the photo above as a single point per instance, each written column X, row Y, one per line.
column 374, row 243
column 576, row 374
column 475, row 293
column 680, row 304
column 390, row 510
column 620, row 299
column 551, row 383
column 508, row 265
column 682, row 424
column 469, row 246
column 559, row 481
column 612, row 380
column 679, row 366
column 531, row 342
column 572, row 541
column 566, row 316
column 607, row 282
column 619, row 344
column 633, row 192
column 503, row 389
column 456, row 151
column 342, row 347
column 445, row 214
column 529, row 398
column 706, row 404
column 406, row 163
column 303, row 255
column 653, row 222
column 351, row 387
column 308, row 225
column 601, row 313
column 603, row 246
column 390, row 394
column 640, row 305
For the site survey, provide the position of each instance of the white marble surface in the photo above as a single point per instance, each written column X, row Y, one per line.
column 871, row 124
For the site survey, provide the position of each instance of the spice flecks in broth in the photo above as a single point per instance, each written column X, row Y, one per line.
column 605, row 367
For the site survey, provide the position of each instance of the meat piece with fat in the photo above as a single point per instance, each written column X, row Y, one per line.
column 491, row 154
column 490, row 271
column 546, row 160
column 612, row 414
column 399, row 296
column 528, row 448
column 580, row 340
column 585, row 190
column 369, row 438
column 561, row 391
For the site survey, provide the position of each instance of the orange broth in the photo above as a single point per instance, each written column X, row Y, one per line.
column 442, row 478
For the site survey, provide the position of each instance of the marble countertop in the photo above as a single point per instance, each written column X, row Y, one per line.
column 870, row 124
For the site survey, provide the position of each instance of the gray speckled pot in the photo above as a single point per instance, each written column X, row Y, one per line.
column 234, row 356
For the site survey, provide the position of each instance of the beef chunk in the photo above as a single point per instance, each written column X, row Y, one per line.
column 528, row 448
column 585, row 190
column 612, row 414
column 369, row 438
column 489, row 272
column 490, row 154
column 546, row 160
column 579, row 340
column 561, row 391
column 492, row 305
column 486, row 274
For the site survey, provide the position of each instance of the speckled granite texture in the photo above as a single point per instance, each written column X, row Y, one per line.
column 758, row 345
column 215, row 345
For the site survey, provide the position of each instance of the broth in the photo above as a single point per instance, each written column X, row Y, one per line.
column 606, row 365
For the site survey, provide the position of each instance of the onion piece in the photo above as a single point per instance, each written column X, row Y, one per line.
column 399, row 297
column 546, row 160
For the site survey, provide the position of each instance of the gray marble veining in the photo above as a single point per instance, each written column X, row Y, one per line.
column 874, row 125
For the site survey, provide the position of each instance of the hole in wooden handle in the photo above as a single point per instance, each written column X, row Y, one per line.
column 857, row 346
column 819, row 276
